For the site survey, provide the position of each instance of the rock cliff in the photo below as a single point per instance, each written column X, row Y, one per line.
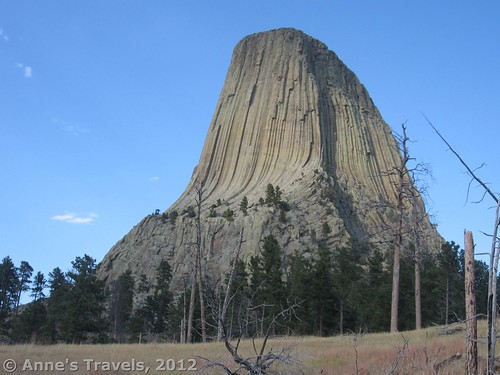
column 290, row 114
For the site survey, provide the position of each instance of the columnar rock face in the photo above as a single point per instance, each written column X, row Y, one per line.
column 290, row 114
column 290, row 106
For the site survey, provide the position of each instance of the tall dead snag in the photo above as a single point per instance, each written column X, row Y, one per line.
column 407, row 202
column 401, row 172
column 492, row 293
column 418, row 297
column 417, row 192
column 417, row 258
column 192, row 300
column 197, row 281
column 199, row 254
column 229, row 288
column 470, row 306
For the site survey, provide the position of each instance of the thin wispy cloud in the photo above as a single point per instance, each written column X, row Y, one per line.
column 3, row 36
column 27, row 70
column 154, row 179
column 69, row 127
column 73, row 218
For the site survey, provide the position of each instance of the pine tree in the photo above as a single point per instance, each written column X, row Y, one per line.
column 84, row 302
column 321, row 290
column 433, row 291
column 266, row 273
column 39, row 284
column 240, row 301
column 8, row 284
column 450, row 264
column 481, row 273
column 407, row 294
column 300, row 280
column 57, row 279
column 325, row 229
column 346, row 278
column 376, row 305
column 57, row 305
column 270, row 195
column 24, row 273
column 29, row 325
column 162, row 296
column 122, row 298
column 277, row 195
column 153, row 316
column 244, row 206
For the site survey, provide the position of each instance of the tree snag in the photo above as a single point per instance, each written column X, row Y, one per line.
column 470, row 307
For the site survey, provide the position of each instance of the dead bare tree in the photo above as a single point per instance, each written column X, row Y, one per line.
column 494, row 258
column 405, row 219
column 470, row 306
column 199, row 253
column 406, row 195
column 227, row 297
column 192, row 300
column 418, row 283
column 262, row 359
column 419, row 241
column 401, row 173
column 492, row 293
column 197, row 280
column 401, row 353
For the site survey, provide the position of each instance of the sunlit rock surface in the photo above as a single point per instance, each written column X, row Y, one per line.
column 290, row 114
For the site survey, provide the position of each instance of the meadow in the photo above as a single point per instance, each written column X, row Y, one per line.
column 414, row 352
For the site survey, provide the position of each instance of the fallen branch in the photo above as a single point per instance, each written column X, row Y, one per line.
column 450, row 331
column 440, row 365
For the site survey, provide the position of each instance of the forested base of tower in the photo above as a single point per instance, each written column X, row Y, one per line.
column 336, row 291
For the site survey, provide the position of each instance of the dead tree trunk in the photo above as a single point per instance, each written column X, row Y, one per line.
column 202, row 301
column 418, row 258
column 470, row 307
column 198, row 257
column 418, row 299
column 192, row 300
column 183, row 320
column 401, row 188
column 492, row 293
column 447, row 300
column 395, row 284
column 228, row 296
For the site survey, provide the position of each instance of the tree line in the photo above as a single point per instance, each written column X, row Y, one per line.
column 335, row 291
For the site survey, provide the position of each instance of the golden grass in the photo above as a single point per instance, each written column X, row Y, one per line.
column 376, row 354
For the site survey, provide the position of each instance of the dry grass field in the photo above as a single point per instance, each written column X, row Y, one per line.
column 404, row 353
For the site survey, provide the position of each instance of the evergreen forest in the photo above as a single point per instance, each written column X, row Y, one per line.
column 319, row 292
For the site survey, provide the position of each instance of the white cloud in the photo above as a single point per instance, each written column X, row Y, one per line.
column 28, row 70
column 154, row 179
column 75, row 218
column 75, row 129
column 3, row 36
column 72, row 128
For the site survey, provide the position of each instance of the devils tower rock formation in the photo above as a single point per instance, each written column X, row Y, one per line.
column 290, row 114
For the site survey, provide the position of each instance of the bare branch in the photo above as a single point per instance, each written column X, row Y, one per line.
column 471, row 172
column 261, row 361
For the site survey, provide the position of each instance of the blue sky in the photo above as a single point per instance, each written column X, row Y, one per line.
column 104, row 105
